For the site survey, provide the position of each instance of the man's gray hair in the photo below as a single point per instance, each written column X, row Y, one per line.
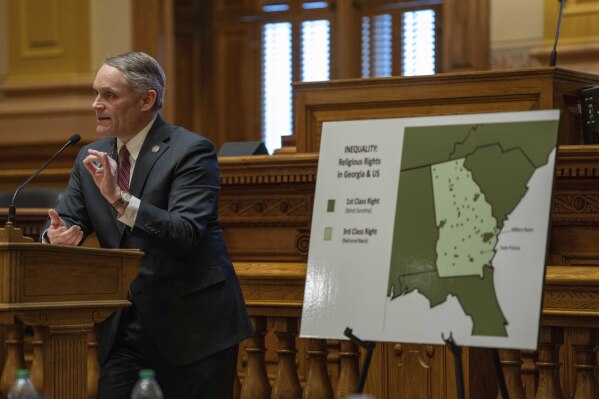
column 142, row 73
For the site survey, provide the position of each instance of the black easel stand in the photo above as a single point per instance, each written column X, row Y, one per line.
column 457, row 355
column 500, row 376
column 369, row 347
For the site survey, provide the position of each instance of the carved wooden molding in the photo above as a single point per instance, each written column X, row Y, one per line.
column 284, row 197
column 264, row 169
column 275, row 288
column 578, row 208
column 577, row 161
column 571, row 296
column 261, row 210
column 302, row 242
column 577, row 172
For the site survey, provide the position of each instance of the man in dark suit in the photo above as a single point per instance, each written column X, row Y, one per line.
column 154, row 186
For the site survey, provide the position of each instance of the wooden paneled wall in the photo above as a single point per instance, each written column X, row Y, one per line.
column 218, row 66
column 210, row 50
column 46, row 95
column 51, row 39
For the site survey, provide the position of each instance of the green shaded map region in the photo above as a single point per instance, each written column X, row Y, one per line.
column 457, row 187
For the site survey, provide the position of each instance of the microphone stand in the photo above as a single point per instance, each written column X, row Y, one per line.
column 12, row 210
column 553, row 57
column 9, row 233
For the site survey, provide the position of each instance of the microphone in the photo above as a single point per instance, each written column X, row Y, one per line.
column 553, row 58
column 12, row 212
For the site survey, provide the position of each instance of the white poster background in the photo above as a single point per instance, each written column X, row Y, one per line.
column 346, row 284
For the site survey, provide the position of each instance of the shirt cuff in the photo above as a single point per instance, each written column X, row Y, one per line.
column 45, row 237
column 130, row 213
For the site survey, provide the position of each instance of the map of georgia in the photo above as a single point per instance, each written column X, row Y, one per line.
column 457, row 187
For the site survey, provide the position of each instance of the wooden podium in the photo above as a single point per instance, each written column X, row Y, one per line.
column 62, row 292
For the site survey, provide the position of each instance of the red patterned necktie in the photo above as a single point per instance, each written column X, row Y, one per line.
column 124, row 168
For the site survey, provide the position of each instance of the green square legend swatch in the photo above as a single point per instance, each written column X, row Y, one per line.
column 331, row 205
column 328, row 233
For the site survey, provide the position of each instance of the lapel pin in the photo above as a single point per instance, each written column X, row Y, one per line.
column 155, row 148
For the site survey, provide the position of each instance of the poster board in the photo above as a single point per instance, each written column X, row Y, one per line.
column 429, row 226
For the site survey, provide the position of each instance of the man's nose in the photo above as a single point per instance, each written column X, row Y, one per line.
column 97, row 103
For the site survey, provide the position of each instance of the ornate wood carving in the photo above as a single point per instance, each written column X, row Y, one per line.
column 264, row 169
column 267, row 198
column 575, row 209
column 260, row 210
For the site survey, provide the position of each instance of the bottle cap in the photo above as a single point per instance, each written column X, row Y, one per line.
column 22, row 373
column 147, row 373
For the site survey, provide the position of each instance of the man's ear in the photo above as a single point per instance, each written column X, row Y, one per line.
column 148, row 100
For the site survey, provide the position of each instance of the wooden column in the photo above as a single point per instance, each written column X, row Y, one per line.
column 66, row 348
column 529, row 372
column 93, row 368
column 37, row 365
column 584, row 342
column 287, row 385
column 14, row 355
column 511, row 365
column 466, row 35
column 236, row 387
column 64, row 334
column 349, row 358
column 318, row 383
column 154, row 33
column 256, row 385
column 551, row 338
column 347, row 34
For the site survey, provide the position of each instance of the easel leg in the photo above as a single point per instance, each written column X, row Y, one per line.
column 500, row 376
column 369, row 346
column 457, row 355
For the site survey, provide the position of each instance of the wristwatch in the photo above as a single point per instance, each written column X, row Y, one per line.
column 123, row 201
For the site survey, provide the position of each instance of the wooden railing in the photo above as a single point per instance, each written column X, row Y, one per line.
column 564, row 366
column 277, row 364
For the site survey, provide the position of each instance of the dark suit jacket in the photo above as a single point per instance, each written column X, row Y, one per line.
column 187, row 293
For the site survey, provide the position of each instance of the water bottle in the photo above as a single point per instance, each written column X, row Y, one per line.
column 146, row 386
column 22, row 388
